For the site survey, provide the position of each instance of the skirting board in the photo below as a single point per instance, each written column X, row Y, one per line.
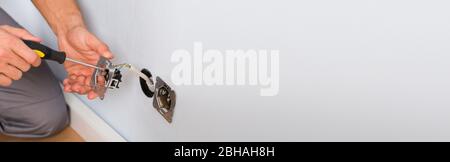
column 88, row 124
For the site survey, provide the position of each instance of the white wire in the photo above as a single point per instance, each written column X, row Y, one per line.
column 150, row 83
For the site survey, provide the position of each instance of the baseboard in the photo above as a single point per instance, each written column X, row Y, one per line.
column 88, row 124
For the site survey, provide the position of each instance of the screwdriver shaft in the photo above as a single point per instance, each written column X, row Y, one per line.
column 83, row 63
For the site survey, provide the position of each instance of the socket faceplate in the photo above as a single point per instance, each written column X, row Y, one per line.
column 164, row 99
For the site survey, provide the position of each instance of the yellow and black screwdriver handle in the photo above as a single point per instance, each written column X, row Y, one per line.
column 45, row 52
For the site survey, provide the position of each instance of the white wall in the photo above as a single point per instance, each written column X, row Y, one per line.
column 350, row 70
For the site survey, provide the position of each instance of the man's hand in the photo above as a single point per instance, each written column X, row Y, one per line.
column 15, row 56
column 80, row 44
column 66, row 21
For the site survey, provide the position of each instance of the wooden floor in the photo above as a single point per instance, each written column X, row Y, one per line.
column 68, row 135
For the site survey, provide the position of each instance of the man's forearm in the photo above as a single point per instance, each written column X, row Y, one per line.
column 61, row 15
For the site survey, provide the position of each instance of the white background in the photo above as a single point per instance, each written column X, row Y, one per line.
column 350, row 70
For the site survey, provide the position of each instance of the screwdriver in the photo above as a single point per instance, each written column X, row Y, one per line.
column 47, row 53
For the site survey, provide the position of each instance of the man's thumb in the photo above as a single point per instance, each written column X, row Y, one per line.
column 100, row 47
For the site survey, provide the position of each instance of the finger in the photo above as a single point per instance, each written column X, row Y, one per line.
column 68, row 88
column 107, row 54
column 101, row 79
column 26, row 53
column 79, row 88
column 87, row 81
column 72, row 84
column 87, row 89
column 81, row 80
column 86, row 71
column 71, row 67
column 84, row 88
column 73, row 77
column 76, row 88
column 5, row 81
column 21, row 33
column 79, row 70
column 83, row 91
column 66, row 81
column 75, row 71
column 11, row 72
column 72, row 80
column 92, row 95
column 100, row 47
column 18, row 62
